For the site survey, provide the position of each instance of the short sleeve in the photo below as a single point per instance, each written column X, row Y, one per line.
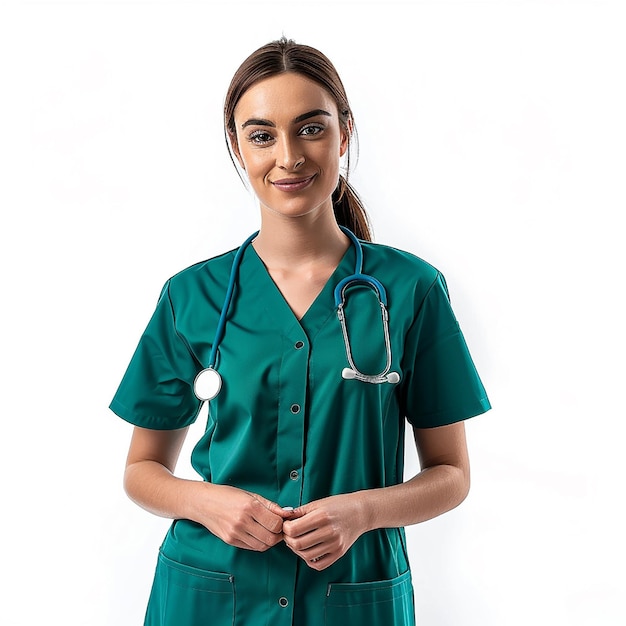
column 157, row 389
column 440, row 384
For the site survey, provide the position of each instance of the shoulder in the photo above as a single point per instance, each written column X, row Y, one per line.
column 398, row 263
column 408, row 279
column 213, row 271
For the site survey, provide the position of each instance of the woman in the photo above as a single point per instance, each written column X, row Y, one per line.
column 299, row 517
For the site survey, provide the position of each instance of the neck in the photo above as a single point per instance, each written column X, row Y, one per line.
column 292, row 242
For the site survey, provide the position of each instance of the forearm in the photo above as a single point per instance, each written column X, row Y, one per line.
column 430, row 493
column 321, row 531
column 241, row 519
column 154, row 488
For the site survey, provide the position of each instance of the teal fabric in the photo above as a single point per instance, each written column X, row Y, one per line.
column 288, row 427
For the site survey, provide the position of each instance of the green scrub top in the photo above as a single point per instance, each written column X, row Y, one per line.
column 287, row 426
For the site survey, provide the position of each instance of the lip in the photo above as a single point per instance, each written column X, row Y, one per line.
column 293, row 184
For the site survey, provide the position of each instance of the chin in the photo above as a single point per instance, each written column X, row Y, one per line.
column 294, row 208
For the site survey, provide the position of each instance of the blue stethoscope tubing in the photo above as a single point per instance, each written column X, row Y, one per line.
column 208, row 382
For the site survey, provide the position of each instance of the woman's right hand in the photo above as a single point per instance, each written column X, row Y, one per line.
column 240, row 518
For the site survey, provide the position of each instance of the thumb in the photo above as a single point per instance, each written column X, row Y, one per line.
column 289, row 513
column 272, row 507
column 300, row 511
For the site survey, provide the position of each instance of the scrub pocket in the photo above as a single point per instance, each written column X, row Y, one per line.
column 188, row 596
column 380, row 602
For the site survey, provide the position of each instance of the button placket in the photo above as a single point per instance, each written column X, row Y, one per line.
column 291, row 436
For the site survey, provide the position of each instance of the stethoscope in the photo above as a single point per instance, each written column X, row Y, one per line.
column 208, row 382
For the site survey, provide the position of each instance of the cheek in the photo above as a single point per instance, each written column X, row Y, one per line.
column 331, row 164
column 254, row 163
column 257, row 170
column 327, row 156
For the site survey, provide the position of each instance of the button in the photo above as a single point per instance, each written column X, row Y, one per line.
column 283, row 602
column 294, row 474
column 295, row 408
column 299, row 345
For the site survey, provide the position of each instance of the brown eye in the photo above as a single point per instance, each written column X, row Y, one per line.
column 311, row 129
column 260, row 137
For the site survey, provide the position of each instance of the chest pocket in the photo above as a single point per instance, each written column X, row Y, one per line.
column 379, row 602
column 187, row 596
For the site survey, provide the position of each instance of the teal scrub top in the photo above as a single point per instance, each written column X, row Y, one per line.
column 287, row 426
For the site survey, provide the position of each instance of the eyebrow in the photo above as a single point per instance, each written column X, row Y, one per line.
column 300, row 118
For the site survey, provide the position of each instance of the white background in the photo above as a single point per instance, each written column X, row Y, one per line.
column 492, row 142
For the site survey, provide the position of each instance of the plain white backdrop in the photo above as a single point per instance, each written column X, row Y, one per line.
column 492, row 142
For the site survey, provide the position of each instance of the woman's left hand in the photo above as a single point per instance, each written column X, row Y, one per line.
column 322, row 531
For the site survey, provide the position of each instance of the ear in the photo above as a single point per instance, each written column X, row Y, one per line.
column 345, row 137
column 234, row 145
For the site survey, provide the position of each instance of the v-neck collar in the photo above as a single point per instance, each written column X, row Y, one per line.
column 320, row 309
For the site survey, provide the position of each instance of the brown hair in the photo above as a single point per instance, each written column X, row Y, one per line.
column 283, row 56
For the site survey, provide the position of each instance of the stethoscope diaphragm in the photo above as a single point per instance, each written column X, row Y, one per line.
column 207, row 384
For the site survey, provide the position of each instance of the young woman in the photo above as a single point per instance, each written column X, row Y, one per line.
column 299, row 516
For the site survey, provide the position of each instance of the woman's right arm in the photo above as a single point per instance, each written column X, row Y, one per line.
column 239, row 518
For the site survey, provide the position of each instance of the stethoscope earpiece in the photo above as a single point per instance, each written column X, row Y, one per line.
column 348, row 374
column 393, row 378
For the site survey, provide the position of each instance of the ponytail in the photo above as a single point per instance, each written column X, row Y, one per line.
column 350, row 211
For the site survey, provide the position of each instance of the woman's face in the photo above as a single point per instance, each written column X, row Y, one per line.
column 289, row 142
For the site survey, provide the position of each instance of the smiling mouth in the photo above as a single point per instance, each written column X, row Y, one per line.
column 293, row 184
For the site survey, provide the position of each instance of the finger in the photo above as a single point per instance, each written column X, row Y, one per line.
column 302, row 525
column 274, row 508
column 267, row 514
column 318, row 562
column 300, row 545
column 255, row 525
column 313, row 554
column 297, row 512
column 322, row 562
column 246, row 541
column 250, row 544
column 261, row 539
column 269, row 536
column 318, row 558
column 288, row 512
column 315, row 543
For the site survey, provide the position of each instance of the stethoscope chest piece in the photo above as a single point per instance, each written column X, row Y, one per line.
column 207, row 384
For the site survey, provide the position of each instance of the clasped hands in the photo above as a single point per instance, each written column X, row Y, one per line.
column 319, row 532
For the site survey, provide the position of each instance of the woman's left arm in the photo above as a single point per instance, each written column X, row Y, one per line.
column 442, row 484
column 322, row 531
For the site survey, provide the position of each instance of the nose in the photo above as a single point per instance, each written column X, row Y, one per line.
column 289, row 155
